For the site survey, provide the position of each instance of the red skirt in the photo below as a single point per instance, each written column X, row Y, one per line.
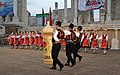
column 40, row 42
column 94, row 43
column 15, row 41
column 31, row 40
column 36, row 41
column 11, row 41
column 85, row 43
column 21, row 41
column 104, row 44
column 26, row 42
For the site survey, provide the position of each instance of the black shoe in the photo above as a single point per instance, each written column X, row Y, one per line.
column 94, row 52
column 61, row 67
column 67, row 64
column 85, row 51
column 80, row 58
column 72, row 63
column 53, row 68
column 104, row 53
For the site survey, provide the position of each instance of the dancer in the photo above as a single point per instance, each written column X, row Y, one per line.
column 56, row 46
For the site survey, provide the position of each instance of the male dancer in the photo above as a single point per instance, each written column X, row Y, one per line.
column 70, row 38
column 57, row 36
column 77, row 44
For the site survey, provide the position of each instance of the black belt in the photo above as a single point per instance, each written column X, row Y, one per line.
column 56, row 42
column 69, row 41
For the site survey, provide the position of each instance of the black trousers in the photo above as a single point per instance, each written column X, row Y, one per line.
column 69, row 51
column 55, row 53
column 75, row 53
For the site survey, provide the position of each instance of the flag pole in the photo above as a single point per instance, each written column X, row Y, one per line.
column 50, row 17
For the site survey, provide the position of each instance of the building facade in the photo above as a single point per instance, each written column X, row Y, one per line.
column 109, row 19
column 19, row 17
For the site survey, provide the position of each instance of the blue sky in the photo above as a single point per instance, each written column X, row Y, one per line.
column 35, row 6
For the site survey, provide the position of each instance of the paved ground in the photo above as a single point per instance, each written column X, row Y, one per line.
column 30, row 62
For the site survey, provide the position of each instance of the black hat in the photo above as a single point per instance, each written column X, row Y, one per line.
column 71, row 26
column 79, row 28
column 58, row 23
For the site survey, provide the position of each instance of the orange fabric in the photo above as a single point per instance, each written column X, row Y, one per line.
column 15, row 40
column 85, row 41
column 11, row 41
column 31, row 40
column 94, row 41
column 21, row 40
column 26, row 42
column 104, row 42
column 36, row 40
column 40, row 42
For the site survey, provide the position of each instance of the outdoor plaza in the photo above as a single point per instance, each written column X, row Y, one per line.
column 30, row 62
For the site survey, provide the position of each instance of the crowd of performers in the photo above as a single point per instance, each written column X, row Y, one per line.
column 90, row 40
column 73, row 40
column 26, row 40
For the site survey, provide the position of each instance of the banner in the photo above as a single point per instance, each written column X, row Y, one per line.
column 84, row 5
column 6, row 7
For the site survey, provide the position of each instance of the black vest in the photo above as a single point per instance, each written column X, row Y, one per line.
column 72, row 36
column 60, row 35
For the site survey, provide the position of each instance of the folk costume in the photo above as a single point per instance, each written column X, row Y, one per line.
column 77, row 44
column 56, row 46
column 70, row 40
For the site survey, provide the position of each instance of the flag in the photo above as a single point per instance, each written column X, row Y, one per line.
column 50, row 17
column 43, row 18
column 84, row 5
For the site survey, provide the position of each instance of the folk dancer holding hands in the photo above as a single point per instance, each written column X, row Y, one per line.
column 94, row 40
column 57, row 36
column 104, row 45
column 70, row 38
column 77, row 44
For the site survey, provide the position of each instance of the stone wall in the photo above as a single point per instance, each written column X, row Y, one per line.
column 10, row 28
column 61, row 15
column 22, row 11
column 115, row 9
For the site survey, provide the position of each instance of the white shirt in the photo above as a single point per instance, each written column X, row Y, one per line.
column 18, row 36
column 92, row 36
column 104, row 35
column 77, row 34
column 23, row 36
column 55, row 35
column 12, row 36
column 38, row 35
column 67, row 32
column 84, row 36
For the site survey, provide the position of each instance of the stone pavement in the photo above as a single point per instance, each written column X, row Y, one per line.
column 30, row 62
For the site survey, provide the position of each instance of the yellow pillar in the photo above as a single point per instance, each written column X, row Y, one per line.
column 47, row 33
